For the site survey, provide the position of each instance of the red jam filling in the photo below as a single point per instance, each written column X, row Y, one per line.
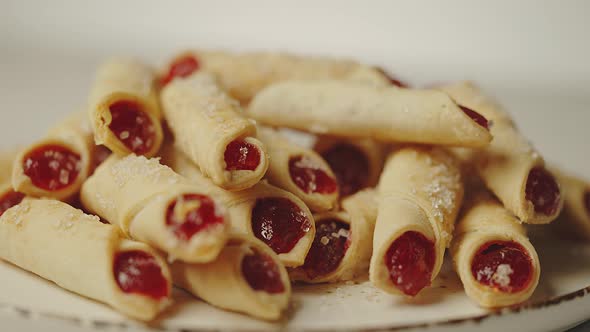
column 350, row 165
column 10, row 199
column 543, row 191
column 332, row 239
column 393, row 80
column 478, row 118
column 181, row 67
column 410, row 261
column 587, row 201
column 138, row 272
column 52, row 167
column 101, row 153
column 262, row 273
column 309, row 178
column 191, row 214
column 279, row 223
column 503, row 265
column 132, row 127
column 241, row 155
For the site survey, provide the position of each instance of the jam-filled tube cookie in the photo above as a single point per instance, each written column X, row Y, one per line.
column 492, row 255
column 419, row 195
column 80, row 254
column 348, row 109
column 575, row 218
column 342, row 246
column 244, row 75
column 123, row 108
column 210, row 128
column 356, row 162
column 246, row 277
column 299, row 170
column 149, row 202
column 510, row 166
column 57, row 165
column 8, row 197
column 273, row 215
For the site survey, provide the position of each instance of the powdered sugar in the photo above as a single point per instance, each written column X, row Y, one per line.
column 502, row 275
column 441, row 188
column 134, row 167
column 307, row 162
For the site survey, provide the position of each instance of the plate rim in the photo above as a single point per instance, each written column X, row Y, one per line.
column 28, row 314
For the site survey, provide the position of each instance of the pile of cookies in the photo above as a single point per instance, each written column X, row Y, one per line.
column 186, row 177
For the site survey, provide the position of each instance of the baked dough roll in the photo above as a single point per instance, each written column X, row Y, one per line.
column 123, row 108
column 246, row 277
column 8, row 197
column 342, row 246
column 7, row 157
column 210, row 129
column 300, row 171
column 510, row 166
column 384, row 113
column 57, row 165
column 575, row 218
column 273, row 215
column 356, row 162
column 80, row 254
column 244, row 75
column 420, row 193
column 497, row 264
column 152, row 204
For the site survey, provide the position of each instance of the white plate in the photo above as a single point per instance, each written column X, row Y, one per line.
column 539, row 70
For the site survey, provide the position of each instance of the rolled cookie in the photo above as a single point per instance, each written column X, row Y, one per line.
column 151, row 203
column 343, row 244
column 57, row 165
column 299, row 170
column 273, row 215
column 246, row 277
column 492, row 255
column 510, row 166
column 80, row 254
column 420, row 193
column 210, row 128
column 390, row 114
column 243, row 75
column 124, row 108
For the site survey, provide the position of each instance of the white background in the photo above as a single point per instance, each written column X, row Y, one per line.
column 533, row 55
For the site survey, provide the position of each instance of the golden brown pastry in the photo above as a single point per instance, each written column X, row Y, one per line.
column 151, row 203
column 300, row 171
column 510, row 166
column 209, row 127
column 80, row 254
column 575, row 218
column 243, row 75
column 349, row 109
column 124, row 108
column 246, row 277
column 497, row 264
column 57, row 165
column 420, row 193
column 342, row 246
column 273, row 215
